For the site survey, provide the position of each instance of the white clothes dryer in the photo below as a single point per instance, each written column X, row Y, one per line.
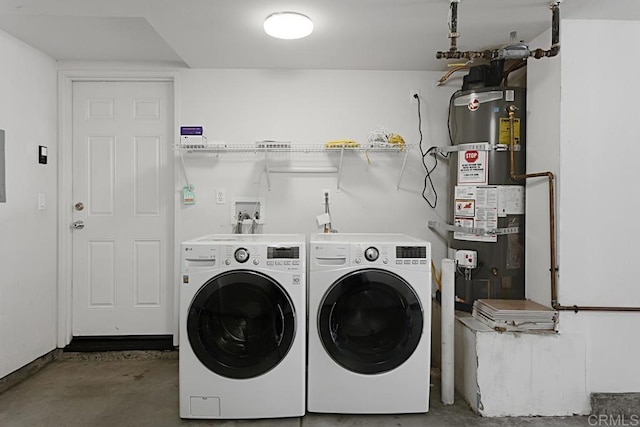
column 243, row 327
column 369, row 324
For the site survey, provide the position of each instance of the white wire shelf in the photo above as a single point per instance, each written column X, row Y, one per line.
column 218, row 148
column 271, row 151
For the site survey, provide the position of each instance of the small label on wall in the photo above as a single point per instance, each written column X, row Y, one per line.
column 188, row 196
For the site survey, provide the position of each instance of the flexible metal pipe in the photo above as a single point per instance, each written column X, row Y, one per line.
column 552, row 228
column 450, row 72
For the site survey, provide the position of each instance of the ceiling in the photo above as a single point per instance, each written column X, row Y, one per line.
column 348, row 34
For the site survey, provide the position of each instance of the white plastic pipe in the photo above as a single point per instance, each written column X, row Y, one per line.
column 447, row 323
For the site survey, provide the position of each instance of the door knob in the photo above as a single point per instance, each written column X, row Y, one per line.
column 77, row 225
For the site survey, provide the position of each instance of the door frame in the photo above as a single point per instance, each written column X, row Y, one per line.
column 66, row 79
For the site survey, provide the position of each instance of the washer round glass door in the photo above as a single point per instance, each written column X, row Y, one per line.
column 370, row 321
column 241, row 324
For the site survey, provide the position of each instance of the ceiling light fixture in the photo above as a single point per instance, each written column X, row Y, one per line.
column 288, row 25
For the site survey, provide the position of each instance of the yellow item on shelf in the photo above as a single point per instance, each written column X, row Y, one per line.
column 342, row 143
column 395, row 139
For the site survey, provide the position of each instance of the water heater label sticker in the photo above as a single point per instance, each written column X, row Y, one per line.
column 472, row 167
column 505, row 131
column 510, row 200
column 465, row 207
column 485, row 201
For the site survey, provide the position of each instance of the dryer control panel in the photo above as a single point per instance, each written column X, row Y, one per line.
column 389, row 254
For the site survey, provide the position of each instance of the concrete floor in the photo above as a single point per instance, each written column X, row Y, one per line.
column 126, row 389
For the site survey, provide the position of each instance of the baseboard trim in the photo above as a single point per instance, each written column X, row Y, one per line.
column 120, row 343
column 32, row 368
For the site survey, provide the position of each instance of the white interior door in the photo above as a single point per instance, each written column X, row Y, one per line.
column 122, row 195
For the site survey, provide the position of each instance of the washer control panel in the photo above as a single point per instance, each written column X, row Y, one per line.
column 277, row 257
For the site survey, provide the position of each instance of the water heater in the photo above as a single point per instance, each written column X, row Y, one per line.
column 486, row 207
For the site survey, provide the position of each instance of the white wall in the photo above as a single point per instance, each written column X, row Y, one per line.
column 596, row 156
column 28, row 235
column 599, row 161
column 313, row 107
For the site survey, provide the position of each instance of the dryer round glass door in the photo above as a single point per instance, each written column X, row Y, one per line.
column 241, row 324
column 370, row 321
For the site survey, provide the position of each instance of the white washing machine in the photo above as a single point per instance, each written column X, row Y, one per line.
column 243, row 327
column 369, row 324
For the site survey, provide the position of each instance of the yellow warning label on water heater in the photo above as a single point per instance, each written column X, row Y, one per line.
column 505, row 131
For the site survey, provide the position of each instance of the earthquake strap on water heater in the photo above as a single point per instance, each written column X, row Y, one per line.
column 478, row 146
column 472, row 230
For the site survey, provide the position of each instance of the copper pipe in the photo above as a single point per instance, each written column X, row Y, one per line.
column 450, row 72
column 516, row 66
column 552, row 228
column 552, row 208
column 577, row 308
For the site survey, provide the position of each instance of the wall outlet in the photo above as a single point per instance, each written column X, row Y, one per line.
column 326, row 194
column 412, row 98
column 221, row 196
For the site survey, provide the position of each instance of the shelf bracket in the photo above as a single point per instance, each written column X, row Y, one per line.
column 340, row 168
column 404, row 164
column 266, row 168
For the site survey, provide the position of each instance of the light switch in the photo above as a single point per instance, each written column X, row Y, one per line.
column 42, row 201
column 42, row 154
